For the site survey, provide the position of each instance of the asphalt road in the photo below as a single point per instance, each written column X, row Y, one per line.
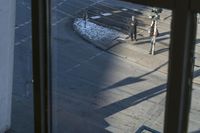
column 93, row 91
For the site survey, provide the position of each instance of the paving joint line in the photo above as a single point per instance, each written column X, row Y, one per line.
column 23, row 24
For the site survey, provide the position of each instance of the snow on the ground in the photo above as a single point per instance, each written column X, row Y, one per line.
column 106, row 14
column 95, row 32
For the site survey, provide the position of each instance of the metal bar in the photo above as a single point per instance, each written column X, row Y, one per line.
column 168, row 4
column 41, row 65
column 180, row 68
column 195, row 5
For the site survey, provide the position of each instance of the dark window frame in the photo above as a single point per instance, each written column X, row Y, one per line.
column 195, row 5
column 41, row 36
column 168, row 4
column 180, row 70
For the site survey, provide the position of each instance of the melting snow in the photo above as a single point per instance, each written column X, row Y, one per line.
column 124, row 9
column 106, row 14
column 136, row 10
column 95, row 32
column 95, row 17
column 117, row 11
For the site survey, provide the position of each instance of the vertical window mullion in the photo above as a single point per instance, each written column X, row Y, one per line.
column 180, row 68
column 41, row 65
column 195, row 5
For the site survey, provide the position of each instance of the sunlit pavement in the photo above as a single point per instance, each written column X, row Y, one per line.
column 94, row 91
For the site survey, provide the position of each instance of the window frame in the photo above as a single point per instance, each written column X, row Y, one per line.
column 180, row 69
column 41, row 40
column 195, row 5
column 168, row 4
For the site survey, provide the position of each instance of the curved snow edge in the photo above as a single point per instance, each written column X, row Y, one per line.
column 100, row 36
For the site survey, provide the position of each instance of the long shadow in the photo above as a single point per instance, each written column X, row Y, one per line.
column 198, row 131
column 154, row 70
column 126, row 81
column 131, row 80
column 148, row 41
column 164, row 33
column 196, row 73
column 160, row 35
column 161, row 50
column 131, row 101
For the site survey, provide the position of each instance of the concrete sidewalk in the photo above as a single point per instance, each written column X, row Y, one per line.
column 137, row 52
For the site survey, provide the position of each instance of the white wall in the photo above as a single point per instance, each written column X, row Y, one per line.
column 7, row 27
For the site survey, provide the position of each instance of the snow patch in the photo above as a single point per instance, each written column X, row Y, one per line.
column 117, row 11
column 124, row 9
column 136, row 10
column 95, row 32
column 95, row 17
column 106, row 14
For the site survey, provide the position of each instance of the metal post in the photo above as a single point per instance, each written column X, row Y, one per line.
column 180, row 68
column 41, row 65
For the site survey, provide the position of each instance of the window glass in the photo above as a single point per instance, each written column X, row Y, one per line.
column 105, row 78
column 194, row 120
column 22, row 120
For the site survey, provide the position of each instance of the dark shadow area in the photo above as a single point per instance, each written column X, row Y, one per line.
column 131, row 80
column 127, row 81
column 198, row 131
column 196, row 73
column 160, row 35
column 131, row 101
column 161, row 50
column 144, row 128
column 164, row 33
column 148, row 41
column 154, row 70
